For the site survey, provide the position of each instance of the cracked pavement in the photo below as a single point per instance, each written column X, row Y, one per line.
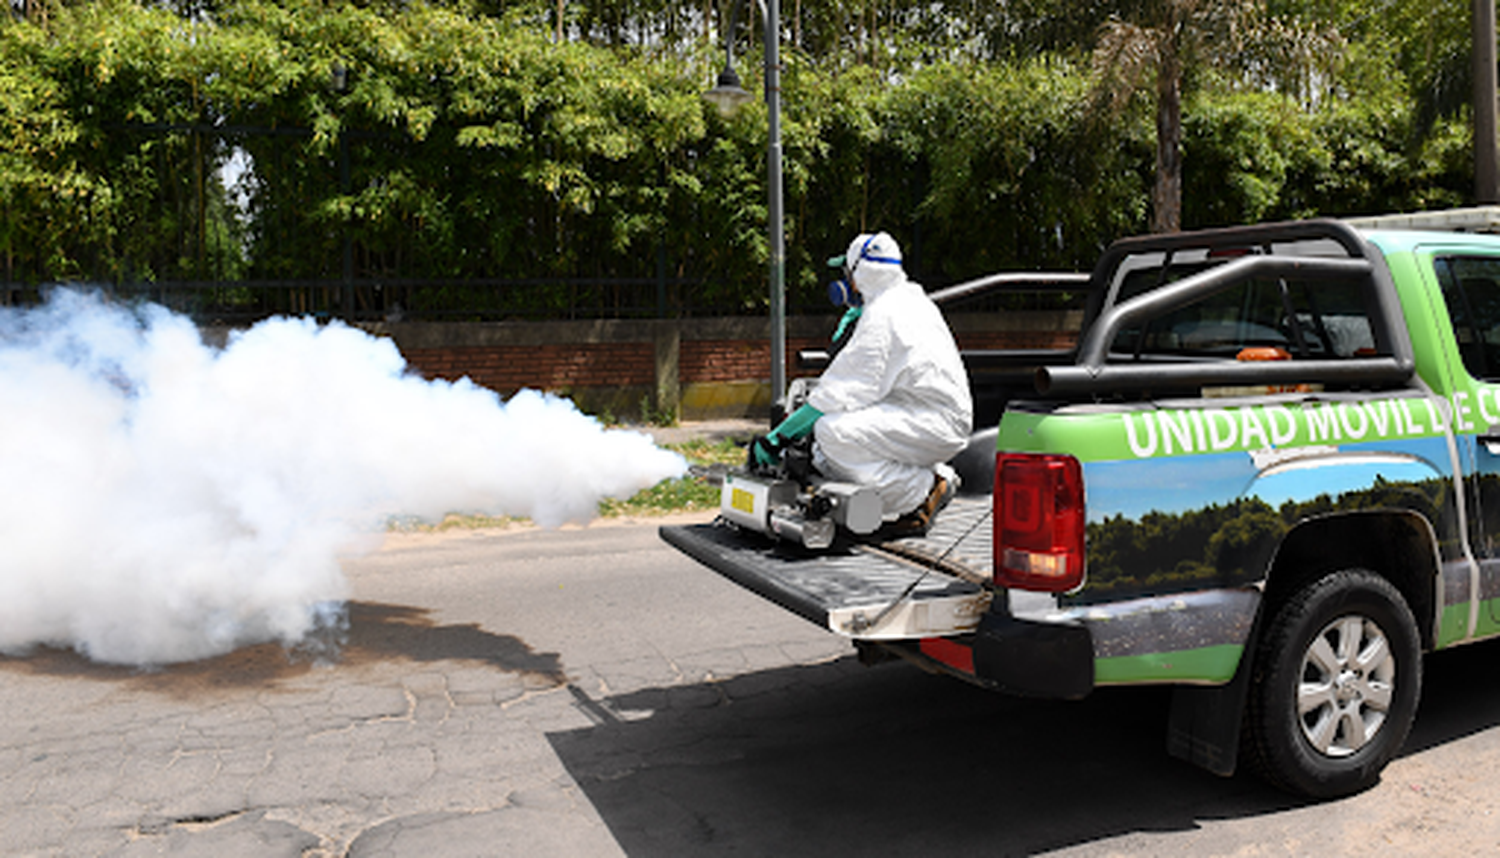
column 591, row 692
column 424, row 735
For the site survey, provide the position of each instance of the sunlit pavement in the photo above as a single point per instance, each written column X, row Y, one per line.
column 253, row 755
column 421, row 736
column 590, row 692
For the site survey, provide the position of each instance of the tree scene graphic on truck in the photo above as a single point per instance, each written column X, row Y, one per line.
column 1221, row 545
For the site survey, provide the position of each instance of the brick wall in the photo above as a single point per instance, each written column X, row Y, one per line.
column 704, row 367
column 707, row 361
column 550, row 366
column 568, row 367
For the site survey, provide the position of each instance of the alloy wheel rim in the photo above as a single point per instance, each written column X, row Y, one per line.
column 1346, row 685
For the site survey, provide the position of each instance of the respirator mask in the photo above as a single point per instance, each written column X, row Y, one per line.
column 844, row 295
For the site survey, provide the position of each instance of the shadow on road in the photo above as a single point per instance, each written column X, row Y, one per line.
column 838, row 759
column 374, row 633
column 1459, row 697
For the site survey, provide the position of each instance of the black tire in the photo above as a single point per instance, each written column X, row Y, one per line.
column 1337, row 678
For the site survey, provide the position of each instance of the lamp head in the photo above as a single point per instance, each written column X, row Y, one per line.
column 728, row 95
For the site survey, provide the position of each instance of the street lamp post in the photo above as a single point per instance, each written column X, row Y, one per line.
column 1486, row 157
column 727, row 96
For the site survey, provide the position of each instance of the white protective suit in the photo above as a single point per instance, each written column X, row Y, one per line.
column 895, row 399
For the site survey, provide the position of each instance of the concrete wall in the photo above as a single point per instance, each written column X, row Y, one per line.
column 691, row 369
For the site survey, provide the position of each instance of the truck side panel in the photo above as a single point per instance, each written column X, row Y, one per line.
column 1189, row 505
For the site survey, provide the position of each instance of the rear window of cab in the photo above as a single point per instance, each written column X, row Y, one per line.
column 1307, row 320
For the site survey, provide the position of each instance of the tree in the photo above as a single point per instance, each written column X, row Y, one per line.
column 1165, row 43
column 459, row 141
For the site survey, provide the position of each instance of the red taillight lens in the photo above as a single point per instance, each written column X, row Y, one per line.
column 1039, row 522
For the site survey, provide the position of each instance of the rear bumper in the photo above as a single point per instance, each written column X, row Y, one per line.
column 1034, row 659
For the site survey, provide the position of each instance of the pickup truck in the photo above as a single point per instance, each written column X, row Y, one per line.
column 1268, row 475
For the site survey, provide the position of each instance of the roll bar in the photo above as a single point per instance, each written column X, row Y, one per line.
column 1092, row 374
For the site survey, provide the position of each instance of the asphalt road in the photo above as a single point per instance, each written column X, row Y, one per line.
column 589, row 692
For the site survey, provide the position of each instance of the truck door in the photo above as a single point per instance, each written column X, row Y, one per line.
column 1470, row 286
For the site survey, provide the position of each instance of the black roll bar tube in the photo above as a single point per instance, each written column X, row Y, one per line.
column 1092, row 374
column 1258, row 236
column 1039, row 281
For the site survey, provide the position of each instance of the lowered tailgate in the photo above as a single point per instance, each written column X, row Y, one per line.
column 909, row 588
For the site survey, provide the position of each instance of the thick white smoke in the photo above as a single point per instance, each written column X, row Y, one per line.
column 162, row 500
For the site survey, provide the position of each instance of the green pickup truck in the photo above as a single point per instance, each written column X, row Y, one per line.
column 1268, row 475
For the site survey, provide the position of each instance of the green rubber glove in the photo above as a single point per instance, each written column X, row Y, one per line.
column 765, row 452
column 851, row 316
column 797, row 424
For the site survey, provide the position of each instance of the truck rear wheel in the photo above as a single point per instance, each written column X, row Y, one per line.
column 1337, row 679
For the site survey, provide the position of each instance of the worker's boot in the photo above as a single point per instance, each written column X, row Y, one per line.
column 919, row 521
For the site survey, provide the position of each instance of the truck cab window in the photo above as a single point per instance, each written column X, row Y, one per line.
column 1309, row 320
column 1471, row 291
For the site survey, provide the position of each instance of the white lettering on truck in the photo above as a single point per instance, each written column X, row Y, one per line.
column 1220, row 430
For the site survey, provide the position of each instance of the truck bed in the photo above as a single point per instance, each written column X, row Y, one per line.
column 850, row 585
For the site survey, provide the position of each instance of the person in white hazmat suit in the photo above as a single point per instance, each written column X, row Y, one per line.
column 893, row 406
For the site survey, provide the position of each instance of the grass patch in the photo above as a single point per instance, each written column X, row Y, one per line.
column 680, row 494
column 453, row 521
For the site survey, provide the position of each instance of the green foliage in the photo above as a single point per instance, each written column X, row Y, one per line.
column 1015, row 174
column 43, row 188
column 1241, row 150
column 463, row 141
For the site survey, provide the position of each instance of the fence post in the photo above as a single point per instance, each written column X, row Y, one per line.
column 668, row 379
column 661, row 280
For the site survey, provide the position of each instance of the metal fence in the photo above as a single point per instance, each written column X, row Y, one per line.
column 243, row 302
column 393, row 300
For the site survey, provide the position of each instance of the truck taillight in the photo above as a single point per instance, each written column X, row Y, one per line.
column 1039, row 522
